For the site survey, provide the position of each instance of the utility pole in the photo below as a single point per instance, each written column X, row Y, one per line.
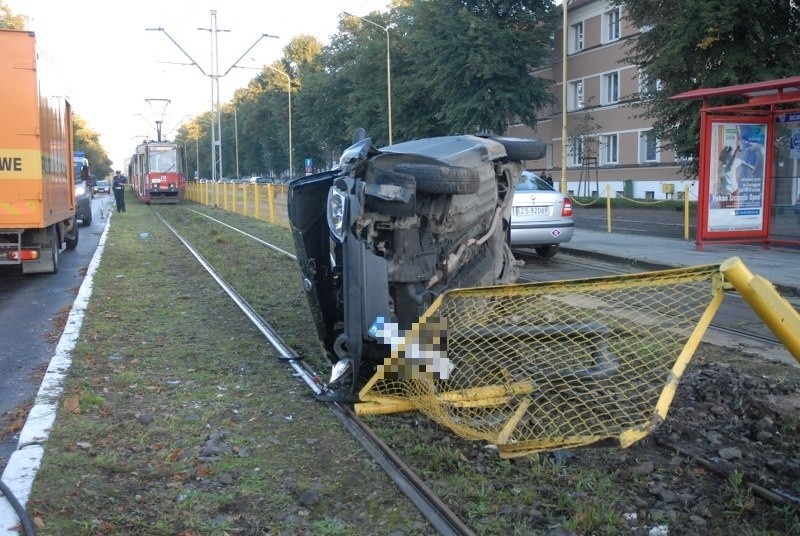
column 216, row 130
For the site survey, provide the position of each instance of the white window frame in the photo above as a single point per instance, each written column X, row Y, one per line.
column 611, row 87
column 612, row 25
column 575, row 152
column 576, row 37
column 646, row 86
column 609, row 149
column 648, row 140
column 575, row 95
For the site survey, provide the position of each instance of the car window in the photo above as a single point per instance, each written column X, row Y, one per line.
column 532, row 182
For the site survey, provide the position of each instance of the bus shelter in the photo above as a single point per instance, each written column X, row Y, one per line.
column 749, row 163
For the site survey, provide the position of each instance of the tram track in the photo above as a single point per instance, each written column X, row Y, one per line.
column 436, row 511
column 189, row 422
column 599, row 269
column 424, row 500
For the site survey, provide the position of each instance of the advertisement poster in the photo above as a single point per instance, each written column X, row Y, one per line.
column 736, row 193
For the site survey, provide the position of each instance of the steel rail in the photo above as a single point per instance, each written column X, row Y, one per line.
column 438, row 514
column 603, row 267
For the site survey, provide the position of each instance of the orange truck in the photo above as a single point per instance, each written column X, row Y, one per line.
column 37, row 183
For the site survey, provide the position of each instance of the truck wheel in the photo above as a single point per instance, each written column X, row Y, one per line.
column 87, row 221
column 443, row 179
column 55, row 246
column 72, row 242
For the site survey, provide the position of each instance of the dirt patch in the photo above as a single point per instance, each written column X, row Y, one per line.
column 725, row 461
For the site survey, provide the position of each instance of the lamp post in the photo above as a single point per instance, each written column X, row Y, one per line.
column 236, row 139
column 216, row 130
column 564, row 43
column 388, row 70
column 289, row 86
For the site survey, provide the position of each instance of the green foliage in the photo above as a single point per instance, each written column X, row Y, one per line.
column 9, row 21
column 456, row 66
column 716, row 43
column 472, row 59
column 88, row 140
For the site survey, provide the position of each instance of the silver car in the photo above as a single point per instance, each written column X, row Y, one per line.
column 541, row 217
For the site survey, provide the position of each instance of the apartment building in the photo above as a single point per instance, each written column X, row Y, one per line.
column 609, row 146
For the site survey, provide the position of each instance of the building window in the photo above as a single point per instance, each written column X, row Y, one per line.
column 576, row 38
column 611, row 25
column 609, row 146
column 575, row 153
column 611, row 88
column 647, row 86
column 575, row 95
column 648, row 147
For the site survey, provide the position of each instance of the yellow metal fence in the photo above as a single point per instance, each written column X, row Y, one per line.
column 545, row 366
column 266, row 202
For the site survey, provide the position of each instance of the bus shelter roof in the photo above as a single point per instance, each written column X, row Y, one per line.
column 778, row 91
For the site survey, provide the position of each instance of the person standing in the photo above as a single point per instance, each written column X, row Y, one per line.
column 118, row 185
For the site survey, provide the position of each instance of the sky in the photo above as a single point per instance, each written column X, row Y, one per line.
column 119, row 77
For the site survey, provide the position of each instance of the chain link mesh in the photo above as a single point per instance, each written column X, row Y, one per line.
column 546, row 366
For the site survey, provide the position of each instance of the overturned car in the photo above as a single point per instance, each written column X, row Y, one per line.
column 379, row 237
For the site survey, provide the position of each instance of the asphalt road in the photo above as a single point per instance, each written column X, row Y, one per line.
column 33, row 309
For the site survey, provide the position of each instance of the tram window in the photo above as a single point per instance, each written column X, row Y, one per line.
column 163, row 161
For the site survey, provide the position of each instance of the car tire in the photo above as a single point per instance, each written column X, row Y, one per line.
column 435, row 179
column 547, row 251
column 72, row 243
column 88, row 220
column 521, row 148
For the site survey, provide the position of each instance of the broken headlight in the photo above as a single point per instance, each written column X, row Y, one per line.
column 337, row 212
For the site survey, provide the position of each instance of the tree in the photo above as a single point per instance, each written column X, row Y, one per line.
column 472, row 60
column 714, row 43
column 456, row 66
column 87, row 140
column 9, row 21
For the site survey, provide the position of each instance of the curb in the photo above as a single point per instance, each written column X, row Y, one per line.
column 20, row 472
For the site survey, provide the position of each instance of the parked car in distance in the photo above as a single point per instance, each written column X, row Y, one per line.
column 541, row 217
column 102, row 187
column 260, row 180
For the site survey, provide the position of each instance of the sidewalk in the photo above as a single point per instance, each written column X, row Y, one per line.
column 780, row 266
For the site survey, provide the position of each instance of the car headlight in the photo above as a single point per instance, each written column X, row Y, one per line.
column 337, row 211
column 80, row 189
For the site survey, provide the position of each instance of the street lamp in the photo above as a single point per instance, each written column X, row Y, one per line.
column 236, row 139
column 388, row 70
column 289, row 86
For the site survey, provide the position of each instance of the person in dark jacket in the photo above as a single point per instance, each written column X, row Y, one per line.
column 118, row 185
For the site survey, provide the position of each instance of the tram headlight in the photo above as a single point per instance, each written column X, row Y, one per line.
column 337, row 213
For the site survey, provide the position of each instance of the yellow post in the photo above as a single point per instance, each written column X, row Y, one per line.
column 271, row 200
column 768, row 304
column 257, row 201
column 608, row 207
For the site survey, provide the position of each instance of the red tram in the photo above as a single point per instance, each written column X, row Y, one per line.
column 157, row 172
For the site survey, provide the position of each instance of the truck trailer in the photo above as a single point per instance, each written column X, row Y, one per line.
column 37, row 182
